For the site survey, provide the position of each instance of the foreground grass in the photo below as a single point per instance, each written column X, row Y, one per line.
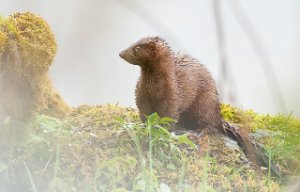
column 107, row 148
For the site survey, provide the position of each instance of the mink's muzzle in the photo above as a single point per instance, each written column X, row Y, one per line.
column 128, row 56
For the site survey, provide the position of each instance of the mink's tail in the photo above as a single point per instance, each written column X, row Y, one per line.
column 253, row 151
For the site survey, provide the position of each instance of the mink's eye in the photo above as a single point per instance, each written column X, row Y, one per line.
column 151, row 46
column 137, row 49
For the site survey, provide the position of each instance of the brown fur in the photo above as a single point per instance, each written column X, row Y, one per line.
column 176, row 85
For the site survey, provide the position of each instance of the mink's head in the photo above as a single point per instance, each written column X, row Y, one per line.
column 146, row 51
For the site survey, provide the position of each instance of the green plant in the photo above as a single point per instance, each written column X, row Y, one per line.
column 160, row 144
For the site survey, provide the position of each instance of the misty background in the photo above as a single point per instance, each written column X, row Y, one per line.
column 261, row 44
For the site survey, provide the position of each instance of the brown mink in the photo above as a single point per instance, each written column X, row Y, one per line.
column 176, row 85
column 173, row 85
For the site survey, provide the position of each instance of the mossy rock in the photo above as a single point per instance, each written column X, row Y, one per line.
column 32, row 41
column 27, row 49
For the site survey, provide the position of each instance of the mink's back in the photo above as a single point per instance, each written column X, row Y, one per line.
column 193, row 80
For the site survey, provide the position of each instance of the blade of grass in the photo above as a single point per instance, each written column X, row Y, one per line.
column 30, row 177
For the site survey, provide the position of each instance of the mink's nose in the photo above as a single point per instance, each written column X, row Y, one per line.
column 122, row 54
column 127, row 56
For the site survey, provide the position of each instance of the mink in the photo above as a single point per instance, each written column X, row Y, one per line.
column 177, row 85
column 173, row 85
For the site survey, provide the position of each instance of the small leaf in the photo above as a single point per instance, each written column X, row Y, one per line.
column 152, row 119
column 167, row 120
column 119, row 120
column 49, row 124
column 132, row 162
column 163, row 130
column 183, row 139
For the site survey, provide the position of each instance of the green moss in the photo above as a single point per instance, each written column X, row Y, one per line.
column 3, row 41
column 35, row 42
column 92, row 151
column 27, row 49
column 230, row 113
column 282, row 134
column 102, row 116
column 247, row 119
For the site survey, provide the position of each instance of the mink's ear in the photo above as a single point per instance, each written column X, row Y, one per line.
column 151, row 46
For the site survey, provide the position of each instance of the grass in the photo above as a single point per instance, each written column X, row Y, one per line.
column 107, row 148
column 30, row 177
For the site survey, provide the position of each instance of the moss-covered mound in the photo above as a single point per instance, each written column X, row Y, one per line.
column 27, row 49
column 107, row 148
column 32, row 40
